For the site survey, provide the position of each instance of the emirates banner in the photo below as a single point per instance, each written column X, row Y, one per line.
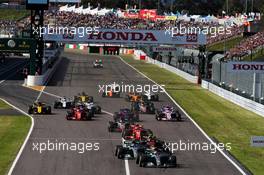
column 138, row 37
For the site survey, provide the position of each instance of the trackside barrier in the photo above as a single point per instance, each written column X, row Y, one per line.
column 40, row 80
column 237, row 99
column 189, row 77
column 139, row 55
column 230, row 96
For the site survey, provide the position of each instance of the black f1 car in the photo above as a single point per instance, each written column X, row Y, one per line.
column 168, row 113
column 156, row 157
column 39, row 108
column 64, row 102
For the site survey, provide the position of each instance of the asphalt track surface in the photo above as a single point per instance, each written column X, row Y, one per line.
column 76, row 74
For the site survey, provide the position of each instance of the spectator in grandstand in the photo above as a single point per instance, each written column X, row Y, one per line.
column 246, row 46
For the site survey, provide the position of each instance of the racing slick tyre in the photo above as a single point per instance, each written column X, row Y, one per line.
column 128, row 99
column 110, row 129
column 173, row 161
column 90, row 98
column 138, row 156
column 56, row 105
column 89, row 116
column 68, row 117
column 110, row 126
column 48, row 110
column 119, row 152
column 142, row 161
column 156, row 97
column 178, row 116
column 98, row 110
column 151, row 110
column 30, row 110
column 158, row 118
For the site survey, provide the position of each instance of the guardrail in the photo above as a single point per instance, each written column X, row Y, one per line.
column 237, row 99
column 189, row 77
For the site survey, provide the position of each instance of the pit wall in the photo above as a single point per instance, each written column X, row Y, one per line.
column 41, row 80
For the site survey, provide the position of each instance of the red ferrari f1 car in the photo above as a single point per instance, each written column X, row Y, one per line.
column 79, row 113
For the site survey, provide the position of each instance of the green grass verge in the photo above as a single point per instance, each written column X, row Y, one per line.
column 219, row 118
column 229, row 44
column 13, row 130
column 3, row 105
column 13, row 14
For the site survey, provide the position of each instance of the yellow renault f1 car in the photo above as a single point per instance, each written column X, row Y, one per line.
column 39, row 108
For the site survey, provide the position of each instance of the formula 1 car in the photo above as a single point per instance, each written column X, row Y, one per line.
column 136, row 132
column 119, row 126
column 167, row 113
column 96, row 109
column 156, row 157
column 79, row 113
column 64, row 103
column 111, row 91
column 39, row 108
column 98, row 64
column 133, row 97
column 132, row 148
column 129, row 149
column 146, row 107
column 125, row 113
column 150, row 97
column 83, row 97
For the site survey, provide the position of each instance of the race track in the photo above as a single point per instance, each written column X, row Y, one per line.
column 76, row 74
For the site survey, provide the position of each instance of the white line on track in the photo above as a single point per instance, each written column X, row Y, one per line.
column 27, row 137
column 10, row 75
column 202, row 131
column 29, row 132
column 106, row 112
column 126, row 160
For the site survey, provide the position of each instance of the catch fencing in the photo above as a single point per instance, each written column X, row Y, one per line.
column 240, row 83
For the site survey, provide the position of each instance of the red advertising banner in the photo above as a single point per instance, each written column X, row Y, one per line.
column 148, row 14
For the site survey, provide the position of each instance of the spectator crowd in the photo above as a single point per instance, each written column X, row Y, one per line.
column 112, row 21
column 246, row 46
